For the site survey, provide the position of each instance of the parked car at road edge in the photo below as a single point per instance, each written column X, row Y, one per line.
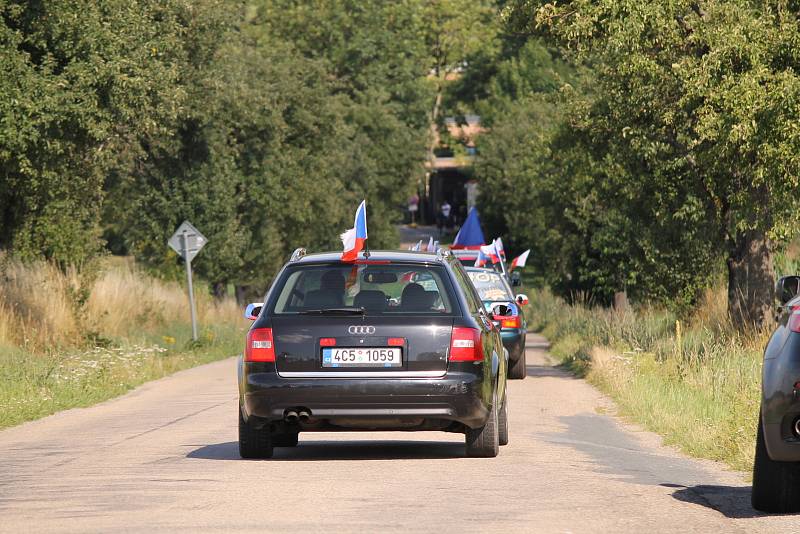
column 776, row 472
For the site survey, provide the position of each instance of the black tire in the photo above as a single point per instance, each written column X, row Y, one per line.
column 288, row 439
column 517, row 369
column 253, row 442
column 502, row 423
column 776, row 485
column 484, row 442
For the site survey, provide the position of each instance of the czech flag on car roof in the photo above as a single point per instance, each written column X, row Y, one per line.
column 487, row 253
column 481, row 260
column 353, row 239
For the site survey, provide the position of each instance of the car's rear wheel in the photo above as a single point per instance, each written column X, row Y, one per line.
column 253, row 442
column 518, row 370
column 286, row 439
column 776, row 485
column 502, row 423
column 484, row 442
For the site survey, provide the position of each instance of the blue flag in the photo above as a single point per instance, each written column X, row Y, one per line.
column 470, row 235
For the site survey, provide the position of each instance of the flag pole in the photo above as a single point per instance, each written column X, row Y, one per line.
column 366, row 240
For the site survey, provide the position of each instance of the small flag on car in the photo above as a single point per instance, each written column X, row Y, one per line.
column 431, row 245
column 486, row 254
column 520, row 260
column 490, row 251
column 354, row 238
column 481, row 260
column 498, row 243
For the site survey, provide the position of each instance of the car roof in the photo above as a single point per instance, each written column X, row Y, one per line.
column 483, row 270
column 374, row 255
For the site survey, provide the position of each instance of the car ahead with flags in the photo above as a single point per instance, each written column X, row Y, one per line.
column 506, row 311
column 387, row 341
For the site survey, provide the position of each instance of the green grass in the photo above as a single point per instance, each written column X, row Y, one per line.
column 696, row 384
column 37, row 385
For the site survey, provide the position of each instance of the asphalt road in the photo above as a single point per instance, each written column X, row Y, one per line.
column 164, row 458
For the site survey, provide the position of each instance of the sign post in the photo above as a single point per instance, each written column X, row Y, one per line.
column 187, row 241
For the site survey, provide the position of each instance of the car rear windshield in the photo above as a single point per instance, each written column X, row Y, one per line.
column 490, row 285
column 391, row 289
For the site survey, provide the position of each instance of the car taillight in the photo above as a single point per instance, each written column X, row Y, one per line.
column 465, row 345
column 794, row 321
column 327, row 342
column 513, row 321
column 260, row 347
column 396, row 341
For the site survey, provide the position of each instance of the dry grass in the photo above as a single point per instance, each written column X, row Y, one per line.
column 44, row 309
column 35, row 305
column 76, row 338
column 122, row 299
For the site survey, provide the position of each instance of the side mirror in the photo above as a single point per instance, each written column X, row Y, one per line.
column 522, row 300
column 253, row 310
column 787, row 288
column 516, row 279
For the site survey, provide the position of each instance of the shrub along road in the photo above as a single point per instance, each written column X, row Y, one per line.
column 164, row 457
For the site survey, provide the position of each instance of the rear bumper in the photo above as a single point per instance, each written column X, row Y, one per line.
column 436, row 403
column 780, row 445
column 780, row 403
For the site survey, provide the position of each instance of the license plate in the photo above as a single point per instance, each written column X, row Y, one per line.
column 362, row 357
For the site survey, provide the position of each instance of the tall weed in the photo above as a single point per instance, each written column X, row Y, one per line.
column 43, row 309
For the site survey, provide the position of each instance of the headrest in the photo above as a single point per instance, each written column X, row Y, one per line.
column 370, row 300
column 415, row 298
column 322, row 298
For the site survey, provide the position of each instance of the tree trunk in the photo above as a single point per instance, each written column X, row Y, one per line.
column 246, row 294
column 621, row 302
column 751, row 281
column 241, row 294
column 220, row 290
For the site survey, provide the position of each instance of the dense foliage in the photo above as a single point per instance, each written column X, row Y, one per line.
column 263, row 122
column 678, row 150
column 635, row 147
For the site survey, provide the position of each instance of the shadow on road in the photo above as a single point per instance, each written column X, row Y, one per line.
column 548, row 370
column 614, row 451
column 731, row 501
column 342, row 450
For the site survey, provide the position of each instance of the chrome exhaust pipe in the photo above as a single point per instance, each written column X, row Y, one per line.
column 290, row 416
column 304, row 416
column 797, row 428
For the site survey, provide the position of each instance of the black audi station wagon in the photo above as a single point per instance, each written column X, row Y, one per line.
column 395, row 341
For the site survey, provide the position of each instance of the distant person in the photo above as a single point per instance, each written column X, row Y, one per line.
column 444, row 216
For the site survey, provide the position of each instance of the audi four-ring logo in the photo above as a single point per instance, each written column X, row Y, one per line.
column 359, row 330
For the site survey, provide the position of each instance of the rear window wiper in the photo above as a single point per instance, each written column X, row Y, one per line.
column 335, row 311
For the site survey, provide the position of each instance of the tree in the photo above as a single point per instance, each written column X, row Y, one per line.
column 375, row 63
column 696, row 104
column 80, row 84
column 292, row 115
column 453, row 31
